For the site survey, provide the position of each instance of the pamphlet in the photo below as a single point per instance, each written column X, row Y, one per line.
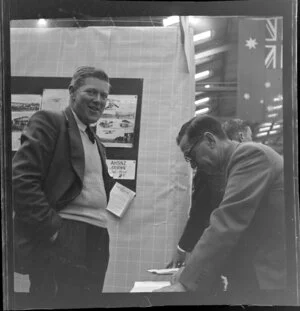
column 120, row 199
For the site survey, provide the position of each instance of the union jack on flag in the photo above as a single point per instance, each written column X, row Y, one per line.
column 273, row 44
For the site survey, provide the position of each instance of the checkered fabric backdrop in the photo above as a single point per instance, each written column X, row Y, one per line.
column 149, row 231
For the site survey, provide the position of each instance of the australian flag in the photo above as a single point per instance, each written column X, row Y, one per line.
column 259, row 72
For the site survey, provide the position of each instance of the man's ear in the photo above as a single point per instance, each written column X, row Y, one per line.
column 241, row 137
column 71, row 91
column 210, row 138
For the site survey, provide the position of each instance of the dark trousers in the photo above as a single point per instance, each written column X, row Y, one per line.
column 71, row 271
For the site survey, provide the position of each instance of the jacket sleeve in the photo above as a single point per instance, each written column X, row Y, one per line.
column 29, row 169
column 198, row 218
column 249, row 175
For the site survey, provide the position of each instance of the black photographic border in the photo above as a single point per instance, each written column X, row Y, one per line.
column 33, row 9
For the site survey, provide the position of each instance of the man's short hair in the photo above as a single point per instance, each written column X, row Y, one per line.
column 198, row 125
column 81, row 73
column 183, row 130
column 233, row 127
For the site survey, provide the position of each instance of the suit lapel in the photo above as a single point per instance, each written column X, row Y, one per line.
column 102, row 154
column 76, row 147
column 100, row 149
column 105, row 174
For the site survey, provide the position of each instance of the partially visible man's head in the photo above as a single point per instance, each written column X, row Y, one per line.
column 83, row 72
column 89, row 89
column 238, row 130
column 202, row 141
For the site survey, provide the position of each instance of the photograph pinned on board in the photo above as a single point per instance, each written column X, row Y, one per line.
column 116, row 126
column 23, row 106
column 55, row 99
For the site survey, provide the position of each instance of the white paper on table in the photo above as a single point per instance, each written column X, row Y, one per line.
column 148, row 286
column 164, row 271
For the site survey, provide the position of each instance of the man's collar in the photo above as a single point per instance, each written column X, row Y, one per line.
column 228, row 152
column 81, row 125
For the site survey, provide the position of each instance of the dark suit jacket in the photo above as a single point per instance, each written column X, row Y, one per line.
column 48, row 173
column 207, row 194
column 246, row 235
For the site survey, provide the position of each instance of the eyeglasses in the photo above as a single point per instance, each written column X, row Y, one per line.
column 187, row 155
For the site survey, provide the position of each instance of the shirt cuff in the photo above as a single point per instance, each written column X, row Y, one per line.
column 180, row 249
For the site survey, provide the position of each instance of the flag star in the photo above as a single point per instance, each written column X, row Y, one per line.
column 268, row 84
column 246, row 96
column 251, row 43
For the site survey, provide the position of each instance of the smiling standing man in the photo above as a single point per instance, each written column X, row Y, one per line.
column 245, row 239
column 61, row 189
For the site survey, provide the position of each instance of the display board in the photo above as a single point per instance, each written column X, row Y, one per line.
column 122, row 116
column 147, row 234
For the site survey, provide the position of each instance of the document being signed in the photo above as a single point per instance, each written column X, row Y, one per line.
column 164, row 271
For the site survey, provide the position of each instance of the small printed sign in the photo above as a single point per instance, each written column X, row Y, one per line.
column 121, row 169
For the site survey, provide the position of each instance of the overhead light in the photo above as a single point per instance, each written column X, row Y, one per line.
column 202, row 101
column 272, row 115
column 202, row 36
column 42, row 22
column 262, row 134
column 199, row 61
column 277, row 126
column 271, row 108
column 266, row 124
column 207, row 86
column 278, row 98
column 171, row 20
column 263, row 129
column 213, row 51
column 202, row 75
column 273, row 132
column 202, row 111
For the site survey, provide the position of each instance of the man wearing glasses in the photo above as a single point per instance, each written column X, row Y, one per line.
column 207, row 194
column 245, row 239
